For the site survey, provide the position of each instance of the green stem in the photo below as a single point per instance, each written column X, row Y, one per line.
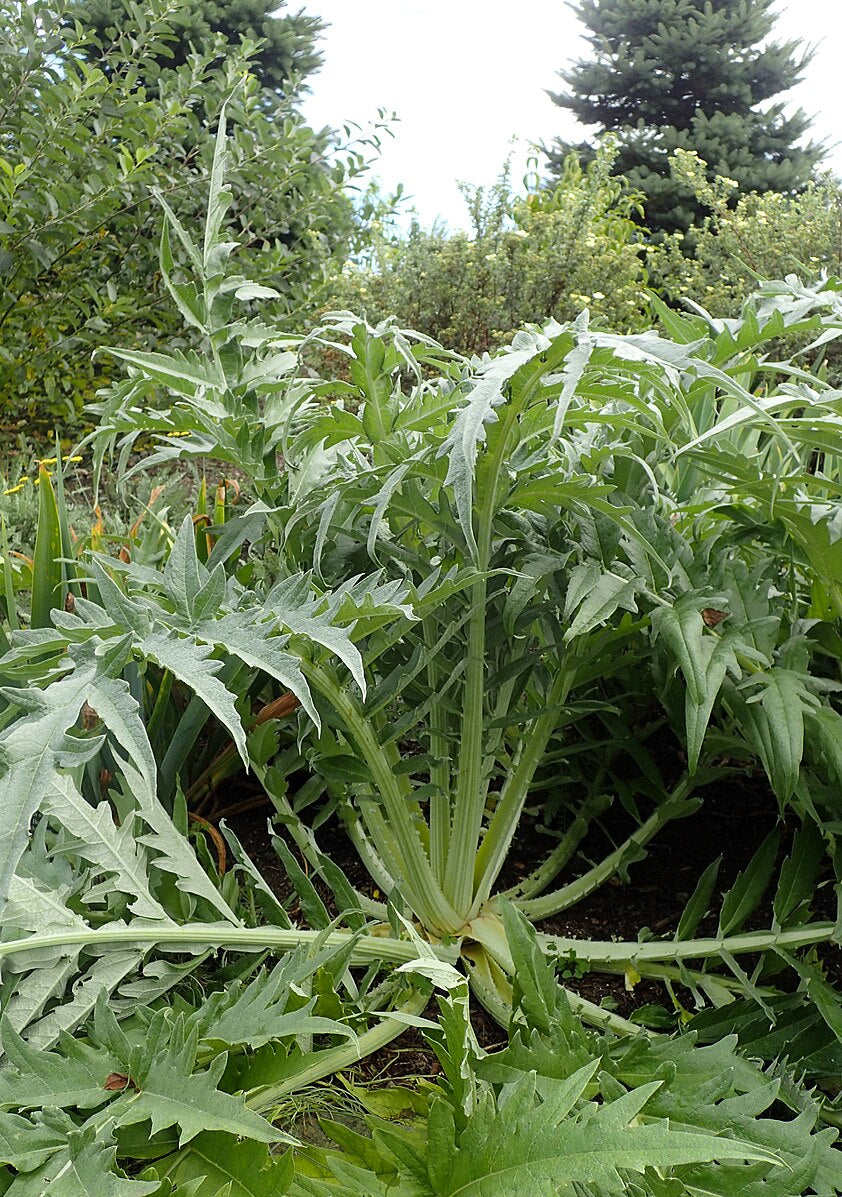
column 307, row 844
column 676, row 807
column 190, row 725
column 368, row 949
column 440, row 814
column 471, row 789
column 415, row 875
column 549, row 869
column 492, row 852
column 652, row 951
column 8, row 581
column 375, row 374
column 189, row 729
column 335, row 1059
column 161, row 700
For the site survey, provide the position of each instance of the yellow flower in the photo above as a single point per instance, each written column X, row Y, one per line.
column 13, row 490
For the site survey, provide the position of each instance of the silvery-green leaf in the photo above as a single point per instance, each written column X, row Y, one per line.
column 110, row 848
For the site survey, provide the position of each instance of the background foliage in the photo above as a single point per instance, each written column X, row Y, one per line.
column 687, row 74
column 93, row 124
column 545, row 252
column 579, row 245
column 761, row 235
column 287, row 52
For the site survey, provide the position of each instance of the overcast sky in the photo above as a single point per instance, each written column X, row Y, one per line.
column 467, row 79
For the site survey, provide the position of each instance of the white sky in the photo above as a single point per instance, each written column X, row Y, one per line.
column 467, row 79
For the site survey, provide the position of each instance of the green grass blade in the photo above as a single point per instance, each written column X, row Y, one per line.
column 69, row 569
column 47, row 573
column 8, row 582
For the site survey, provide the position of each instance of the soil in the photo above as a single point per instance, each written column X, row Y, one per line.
column 734, row 820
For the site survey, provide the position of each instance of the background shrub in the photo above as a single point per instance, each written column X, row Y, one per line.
column 766, row 235
column 548, row 253
column 92, row 126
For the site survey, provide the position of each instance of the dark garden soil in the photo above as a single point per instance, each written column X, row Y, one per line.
column 733, row 821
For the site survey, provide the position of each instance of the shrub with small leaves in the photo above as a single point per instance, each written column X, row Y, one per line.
column 767, row 235
column 526, row 257
column 91, row 127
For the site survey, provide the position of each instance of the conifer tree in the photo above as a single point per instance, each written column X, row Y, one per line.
column 289, row 39
column 692, row 74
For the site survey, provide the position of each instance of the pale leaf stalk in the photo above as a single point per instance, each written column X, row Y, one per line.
column 181, row 937
column 417, row 879
column 368, row 854
column 602, row 952
column 501, row 708
column 469, row 801
column 536, row 881
column 504, row 822
column 471, row 790
column 470, row 793
column 681, row 974
column 339, row 1058
column 609, row 955
column 676, row 807
column 440, row 813
column 491, row 986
